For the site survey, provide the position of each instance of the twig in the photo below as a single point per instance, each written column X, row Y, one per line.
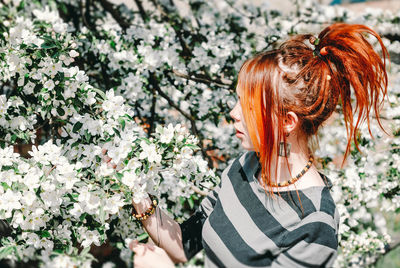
column 220, row 82
column 105, row 75
column 153, row 82
column 115, row 14
column 52, row 168
column 171, row 103
column 393, row 245
column 250, row 17
column 85, row 15
column 186, row 52
column 192, row 121
column 42, row 125
column 142, row 12
column 198, row 191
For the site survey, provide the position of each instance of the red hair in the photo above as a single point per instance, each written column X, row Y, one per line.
column 310, row 82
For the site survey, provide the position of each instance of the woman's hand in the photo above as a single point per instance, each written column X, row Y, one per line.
column 149, row 255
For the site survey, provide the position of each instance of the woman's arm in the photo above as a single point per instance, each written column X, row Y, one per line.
column 164, row 231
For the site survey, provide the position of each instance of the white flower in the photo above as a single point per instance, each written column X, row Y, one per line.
column 130, row 179
column 4, row 104
column 105, row 170
column 28, row 198
column 88, row 237
column 167, row 134
column 49, row 84
column 149, row 152
column 114, row 204
column 28, row 88
column 73, row 54
column 76, row 211
column 9, row 201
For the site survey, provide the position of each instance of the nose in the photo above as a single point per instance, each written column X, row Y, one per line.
column 234, row 113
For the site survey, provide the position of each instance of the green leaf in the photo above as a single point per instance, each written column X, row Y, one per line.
column 142, row 237
column 102, row 214
column 101, row 93
column 191, row 203
column 115, row 186
column 87, row 136
column 78, row 125
column 122, row 122
column 75, row 144
column 119, row 175
column 112, row 44
column 83, row 216
column 60, row 111
column 5, row 186
column 117, row 132
column 47, row 45
column 5, row 251
column 45, row 234
column 85, row 251
column 119, row 245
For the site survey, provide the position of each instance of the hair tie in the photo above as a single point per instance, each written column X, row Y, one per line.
column 317, row 53
column 320, row 52
column 323, row 51
column 314, row 40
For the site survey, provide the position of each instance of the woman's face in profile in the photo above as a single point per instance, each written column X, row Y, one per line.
column 240, row 125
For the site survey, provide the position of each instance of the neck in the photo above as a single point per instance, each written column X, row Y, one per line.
column 283, row 169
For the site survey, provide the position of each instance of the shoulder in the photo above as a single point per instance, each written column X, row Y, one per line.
column 312, row 242
column 316, row 228
column 318, row 220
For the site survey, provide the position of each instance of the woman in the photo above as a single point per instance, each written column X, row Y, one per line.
column 273, row 208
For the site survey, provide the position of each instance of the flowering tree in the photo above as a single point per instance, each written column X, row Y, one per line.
column 78, row 77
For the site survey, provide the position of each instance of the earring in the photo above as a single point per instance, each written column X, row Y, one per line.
column 284, row 148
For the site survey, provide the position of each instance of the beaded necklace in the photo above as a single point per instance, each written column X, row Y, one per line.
column 296, row 178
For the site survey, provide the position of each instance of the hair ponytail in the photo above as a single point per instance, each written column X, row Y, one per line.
column 310, row 83
column 356, row 66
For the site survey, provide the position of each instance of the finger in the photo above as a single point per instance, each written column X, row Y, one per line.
column 150, row 242
column 151, row 247
column 103, row 151
column 133, row 243
column 140, row 249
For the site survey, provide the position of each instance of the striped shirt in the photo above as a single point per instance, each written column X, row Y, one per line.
column 239, row 225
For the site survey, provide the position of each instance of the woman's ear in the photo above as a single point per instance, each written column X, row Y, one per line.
column 291, row 122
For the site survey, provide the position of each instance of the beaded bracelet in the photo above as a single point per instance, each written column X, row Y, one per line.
column 150, row 211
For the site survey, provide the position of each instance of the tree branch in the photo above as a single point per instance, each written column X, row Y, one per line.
column 218, row 82
column 192, row 121
column 154, row 84
column 250, row 17
column 86, row 15
column 171, row 103
column 186, row 52
column 142, row 12
column 115, row 14
column 198, row 191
